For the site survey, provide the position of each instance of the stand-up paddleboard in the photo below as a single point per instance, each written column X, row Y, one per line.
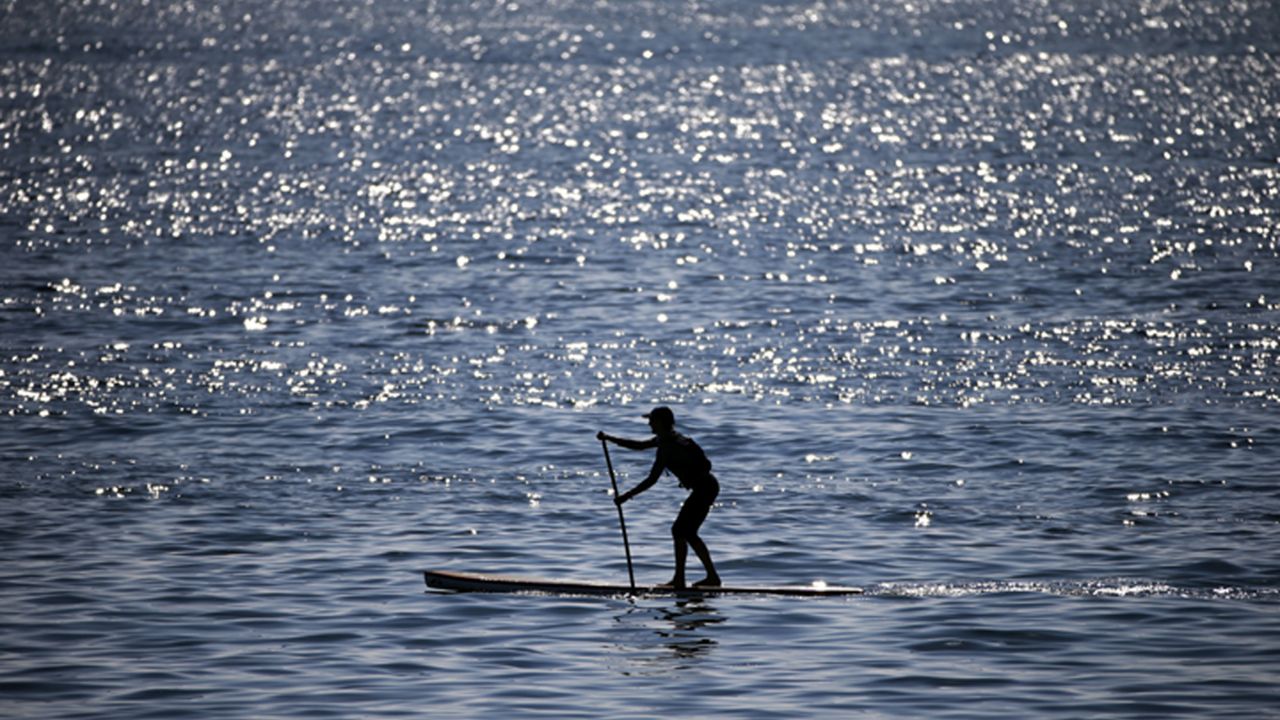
column 473, row 582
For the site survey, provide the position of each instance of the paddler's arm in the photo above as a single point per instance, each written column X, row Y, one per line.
column 654, row 474
column 629, row 444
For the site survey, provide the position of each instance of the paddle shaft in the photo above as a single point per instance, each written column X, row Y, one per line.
column 621, row 520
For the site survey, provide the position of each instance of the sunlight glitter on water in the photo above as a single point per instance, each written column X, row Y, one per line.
column 299, row 297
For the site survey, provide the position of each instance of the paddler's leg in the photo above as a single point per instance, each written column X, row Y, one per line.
column 685, row 533
column 713, row 578
column 706, row 497
column 682, row 555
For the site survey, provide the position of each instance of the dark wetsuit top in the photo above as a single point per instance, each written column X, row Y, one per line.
column 682, row 456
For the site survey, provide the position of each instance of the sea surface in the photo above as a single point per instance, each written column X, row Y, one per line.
column 974, row 304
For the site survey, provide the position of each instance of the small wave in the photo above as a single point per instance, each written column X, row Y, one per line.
column 1111, row 587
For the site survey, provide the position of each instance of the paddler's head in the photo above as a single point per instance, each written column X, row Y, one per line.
column 661, row 420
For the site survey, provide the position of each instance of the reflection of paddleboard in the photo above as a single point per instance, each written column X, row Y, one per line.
column 473, row 582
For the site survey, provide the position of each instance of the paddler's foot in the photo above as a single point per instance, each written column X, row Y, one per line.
column 710, row 581
column 675, row 583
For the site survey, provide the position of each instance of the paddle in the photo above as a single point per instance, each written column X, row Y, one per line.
column 621, row 520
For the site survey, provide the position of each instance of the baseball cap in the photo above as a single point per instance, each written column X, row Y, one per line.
column 663, row 414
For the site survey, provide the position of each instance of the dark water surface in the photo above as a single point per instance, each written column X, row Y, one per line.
column 973, row 304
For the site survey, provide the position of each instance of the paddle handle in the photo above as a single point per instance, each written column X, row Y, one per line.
column 631, row 573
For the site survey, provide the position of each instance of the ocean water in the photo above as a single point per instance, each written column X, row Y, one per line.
column 973, row 304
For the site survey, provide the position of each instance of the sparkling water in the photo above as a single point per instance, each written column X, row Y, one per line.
column 973, row 304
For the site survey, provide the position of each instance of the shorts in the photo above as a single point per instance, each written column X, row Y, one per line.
column 695, row 508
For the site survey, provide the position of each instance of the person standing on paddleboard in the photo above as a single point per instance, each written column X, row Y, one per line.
column 681, row 456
